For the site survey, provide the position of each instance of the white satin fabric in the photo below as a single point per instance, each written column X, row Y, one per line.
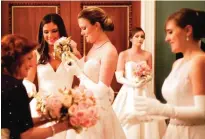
column 177, row 90
column 108, row 126
column 49, row 81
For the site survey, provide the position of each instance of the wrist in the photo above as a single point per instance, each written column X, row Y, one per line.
column 53, row 130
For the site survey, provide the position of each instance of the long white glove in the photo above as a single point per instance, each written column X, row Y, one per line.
column 154, row 107
column 120, row 79
column 30, row 88
column 97, row 88
column 71, row 64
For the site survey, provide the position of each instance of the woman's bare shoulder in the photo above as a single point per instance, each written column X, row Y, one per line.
column 198, row 61
column 147, row 53
column 110, row 49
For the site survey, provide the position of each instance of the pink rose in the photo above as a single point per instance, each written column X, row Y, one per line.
column 73, row 109
column 83, row 105
column 86, row 123
column 74, row 121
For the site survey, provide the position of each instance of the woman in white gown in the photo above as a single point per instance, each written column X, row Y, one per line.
column 123, row 104
column 50, row 71
column 98, row 70
column 184, row 88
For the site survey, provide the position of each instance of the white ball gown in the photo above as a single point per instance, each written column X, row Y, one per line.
column 108, row 126
column 124, row 103
column 177, row 90
column 49, row 81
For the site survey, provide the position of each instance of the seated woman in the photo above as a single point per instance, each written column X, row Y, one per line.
column 16, row 56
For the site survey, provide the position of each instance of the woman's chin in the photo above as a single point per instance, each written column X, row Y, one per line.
column 175, row 51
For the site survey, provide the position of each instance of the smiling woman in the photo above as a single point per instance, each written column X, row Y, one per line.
column 16, row 56
column 98, row 70
column 49, row 71
column 184, row 88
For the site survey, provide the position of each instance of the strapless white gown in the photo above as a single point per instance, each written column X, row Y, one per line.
column 49, row 81
column 108, row 126
column 124, row 103
column 177, row 90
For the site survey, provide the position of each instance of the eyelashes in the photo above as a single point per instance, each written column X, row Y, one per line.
column 52, row 31
column 140, row 36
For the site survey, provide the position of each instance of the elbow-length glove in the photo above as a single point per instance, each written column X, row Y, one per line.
column 154, row 107
column 99, row 89
column 121, row 79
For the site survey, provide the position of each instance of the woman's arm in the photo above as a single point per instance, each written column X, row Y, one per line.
column 149, row 61
column 196, row 111
column 197, row 75
column 121, row 62
column 108, row 65
column 42, row 133
column 37, row 121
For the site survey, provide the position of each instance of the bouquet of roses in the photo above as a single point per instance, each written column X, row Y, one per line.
column 76, row 104
column 63, row 49
column 142, row 72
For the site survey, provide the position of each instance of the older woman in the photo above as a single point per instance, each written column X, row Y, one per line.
column 16, row 56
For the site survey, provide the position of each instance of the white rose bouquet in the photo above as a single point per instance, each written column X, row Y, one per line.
column 63, row 49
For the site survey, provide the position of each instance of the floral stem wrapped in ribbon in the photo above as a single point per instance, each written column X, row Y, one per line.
column 77, row 104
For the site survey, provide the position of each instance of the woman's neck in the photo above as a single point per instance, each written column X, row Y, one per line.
column 51, row 52
column 50, row 49
column 191, row 50
column 101, row 39
column 136, row 49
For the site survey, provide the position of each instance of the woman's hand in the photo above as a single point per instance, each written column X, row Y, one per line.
column 73, row 67
column 74, row 49
column 133, row 118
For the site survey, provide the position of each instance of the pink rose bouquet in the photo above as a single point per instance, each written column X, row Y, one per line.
column 77, row 104
column 142, row 72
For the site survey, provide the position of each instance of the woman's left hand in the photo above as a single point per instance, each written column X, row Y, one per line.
column 73, row 67
column 147, row 105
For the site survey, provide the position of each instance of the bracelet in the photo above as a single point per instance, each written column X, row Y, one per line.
column 53, row 130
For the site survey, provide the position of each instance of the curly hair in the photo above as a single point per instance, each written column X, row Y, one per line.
column 13, row 48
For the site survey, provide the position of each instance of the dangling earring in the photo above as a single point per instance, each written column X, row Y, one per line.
column 187, row 38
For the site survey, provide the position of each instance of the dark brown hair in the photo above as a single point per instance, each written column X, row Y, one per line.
column 96, row 14
column 13, row 48
column 43, row 49
column 134, row 30
column 195, row 18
